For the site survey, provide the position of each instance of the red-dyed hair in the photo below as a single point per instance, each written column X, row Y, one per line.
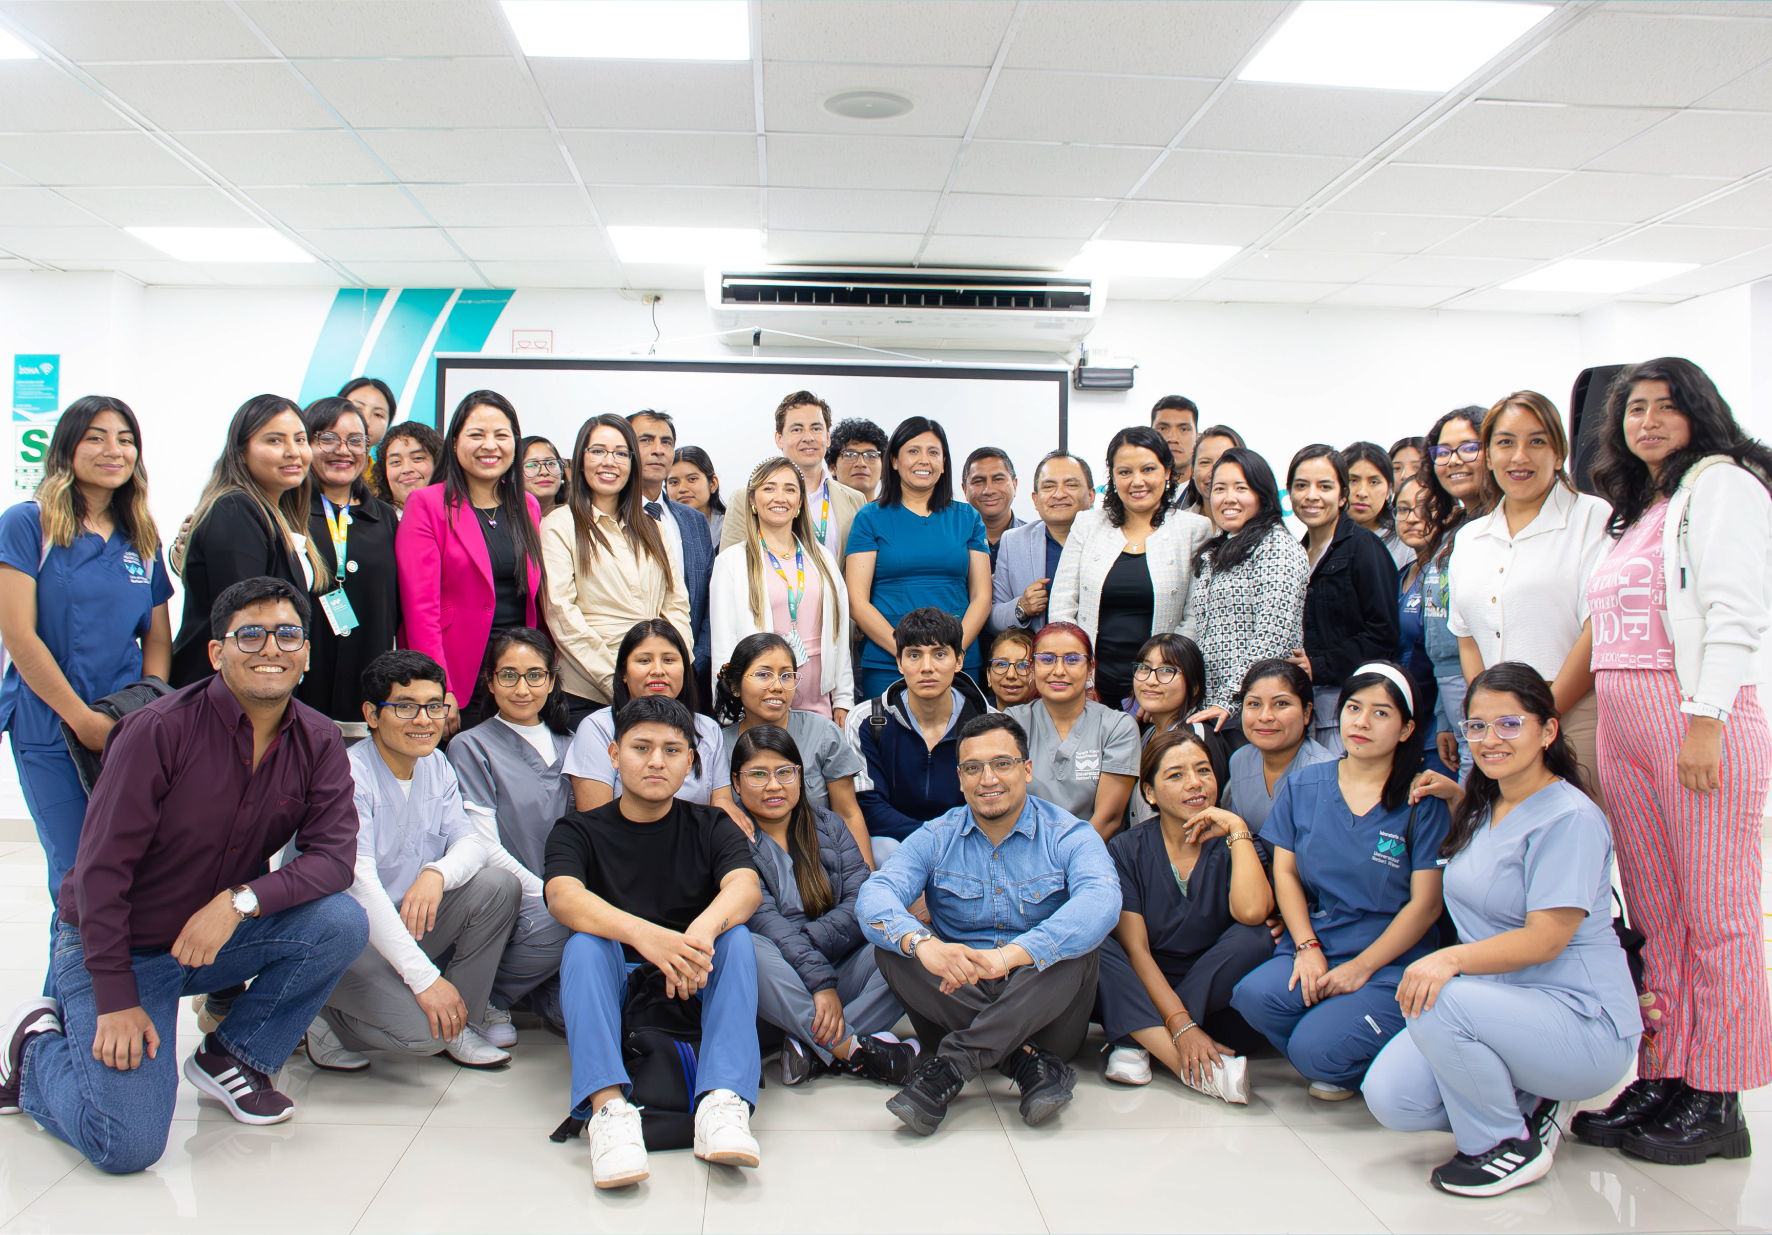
column 1081, row 636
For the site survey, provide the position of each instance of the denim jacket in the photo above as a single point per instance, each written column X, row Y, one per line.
column 1442, row 644
column 1050, row 886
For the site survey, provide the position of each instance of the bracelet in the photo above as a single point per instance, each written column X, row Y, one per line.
column 1234, row 837
column 1003, row 961
column 1310, row 943
column 1172, row 1016
column 1179, row 1032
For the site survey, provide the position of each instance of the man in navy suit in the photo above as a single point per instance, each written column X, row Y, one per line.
column 688, row 529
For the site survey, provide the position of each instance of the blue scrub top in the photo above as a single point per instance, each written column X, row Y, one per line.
column 1552, row 851
column 919, row 560
column 95, row 602
column 1354, row 870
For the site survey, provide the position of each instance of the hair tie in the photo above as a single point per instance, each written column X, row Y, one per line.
column 1392, row 675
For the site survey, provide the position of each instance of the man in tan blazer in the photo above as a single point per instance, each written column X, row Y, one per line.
column 802, row 433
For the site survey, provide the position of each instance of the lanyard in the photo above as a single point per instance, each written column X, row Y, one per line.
column 338, row 528
column 824, row 519
column 794, row 597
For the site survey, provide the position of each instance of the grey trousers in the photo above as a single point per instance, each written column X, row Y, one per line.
column 979, row 1026
column 533, row 954
column 372, row 1008
column 784, row 1001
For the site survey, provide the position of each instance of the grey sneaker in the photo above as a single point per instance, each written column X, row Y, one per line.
column 327, row 1053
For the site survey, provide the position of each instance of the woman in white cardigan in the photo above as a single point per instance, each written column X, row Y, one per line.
column 780, row 580
column 1125, row 569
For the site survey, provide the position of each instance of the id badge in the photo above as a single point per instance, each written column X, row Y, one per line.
column 797, row 648
column 339, row 611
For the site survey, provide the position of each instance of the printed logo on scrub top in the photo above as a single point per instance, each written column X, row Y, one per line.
column 1087, row 765
column 1390, row 850
column 133, row 564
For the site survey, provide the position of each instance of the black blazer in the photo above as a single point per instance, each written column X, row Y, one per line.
column 1350, row 608
column 233, row 543
column 336, row 663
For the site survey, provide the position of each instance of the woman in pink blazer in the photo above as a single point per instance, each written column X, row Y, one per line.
column 469, row 552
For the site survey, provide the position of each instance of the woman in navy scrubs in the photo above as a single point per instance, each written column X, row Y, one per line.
column 1357, row 876
column 83, row 592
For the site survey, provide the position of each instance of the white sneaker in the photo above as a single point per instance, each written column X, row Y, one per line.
column 1229, row 1080
column 496, row 1027
column 723, row 1130
column 1325, row 1092
column 618, row 1150
column 327, row 1053
column 470, row 1050
column 1129, row 1065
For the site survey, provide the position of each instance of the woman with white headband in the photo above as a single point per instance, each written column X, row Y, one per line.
column 1357, row 878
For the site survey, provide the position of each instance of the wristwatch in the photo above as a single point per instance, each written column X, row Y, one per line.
column 1021, row 617
column 917, row 941
column 245, row 901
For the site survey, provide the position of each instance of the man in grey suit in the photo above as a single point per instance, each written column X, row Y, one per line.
column 683, row 526
column 803, row 434
column 1027, row 556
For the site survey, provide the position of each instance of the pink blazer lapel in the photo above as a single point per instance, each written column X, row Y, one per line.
column 466, row 527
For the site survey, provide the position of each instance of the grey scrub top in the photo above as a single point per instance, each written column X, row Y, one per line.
column 826, row 755
column 1552, row 851
column 499, row 770
column 1066, row 773
column 1248, row 798
column 589, row 757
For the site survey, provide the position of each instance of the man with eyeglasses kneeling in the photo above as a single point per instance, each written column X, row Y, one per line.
column 169, row 897
column 1020, row 895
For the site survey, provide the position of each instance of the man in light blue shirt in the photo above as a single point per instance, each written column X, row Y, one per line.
column 1020, row 894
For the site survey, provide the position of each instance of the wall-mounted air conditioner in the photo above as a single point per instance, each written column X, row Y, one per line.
column 980, row 309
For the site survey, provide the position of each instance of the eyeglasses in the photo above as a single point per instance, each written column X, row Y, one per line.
column 1469, row 451
column 765, row 677
column 508, row 678
column 1071, row 659
column 251, row 639
column 542, row 467
column 1507, row 728
column 1020, row 667
column 409, row 711
column 872, row 456
column 1002, row 765
column 356, row 443
column 786, row 774
column 1165, row 674
column 596, row 454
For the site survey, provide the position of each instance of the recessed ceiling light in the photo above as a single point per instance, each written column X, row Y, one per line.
column 1579, row 275
column 1150, row 259
column 1429, row 45
column 12, row 48
column 632, row 29
column 222, row 244
column 687, row 246
column 867, row 104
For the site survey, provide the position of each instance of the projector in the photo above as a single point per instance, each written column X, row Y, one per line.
column 1103, row 373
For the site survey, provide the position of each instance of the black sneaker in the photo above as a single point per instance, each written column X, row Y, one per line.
column 29, row 1019
column 882, row 1057
column 1512, row 1164
column 1637, row 1103
column 1695, row 1126
column 923, row 1102
column 1543, row 1124
column 799, row 1065
column 244, row 1090
column 1045, row 1082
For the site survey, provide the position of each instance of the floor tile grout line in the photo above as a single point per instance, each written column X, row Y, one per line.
column 1335, row 1174
column 52, row 1185
column 386, row 1179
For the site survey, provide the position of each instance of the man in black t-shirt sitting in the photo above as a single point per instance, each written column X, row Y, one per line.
column 647, row 878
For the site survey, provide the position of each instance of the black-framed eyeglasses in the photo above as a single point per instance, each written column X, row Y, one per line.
column 786, row 774
column 508, row 678
column 1071, row 659
column 251, row 639
column 1004, row 665
column 596, row 454
column 872, row 456
column 1469, row 451
column 1507, row 728
column 356, row 443
column 409, row 711
column 541, row 467
column 1165, row 674
column 1002, row 765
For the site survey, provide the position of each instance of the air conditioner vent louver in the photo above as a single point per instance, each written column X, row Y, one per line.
column 906, row 292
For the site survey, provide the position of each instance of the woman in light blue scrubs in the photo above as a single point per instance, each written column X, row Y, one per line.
column 83, row 592
column 1357, row 878
column 1538, row 1006
column 1275, row 707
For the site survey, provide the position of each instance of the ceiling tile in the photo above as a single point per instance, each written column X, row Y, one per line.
column 1335, row 231
column 1529, row 135
column 841, row 248
column 93, row 158
column 1698, row 144
column 664, row 158
column 907, row 32
column 662, row 278
column 1727, row 8
column 1752, row 91
column 1313, row 267
column 1453, row 272
column 162, row 206
column 880, row 210
column 426, row 94
column 215, row 96
column 137, row 29
column 816, row 161
column 1240, row 179
column 656, row 206
column 353, row 29
column 165, row 273
column 1441, row 190
column 383, row 244
column 1388, row 295
column 1500, row 300
column 1303, row 119
column 471, row 156
column 416, row 274
column 1715, row 278
column 1079, row 107
column 1691, row 59
column 999, row 252
column 1252, row 291
column 1033, row 168
column 281, row 274
column 1198, row 38
column 1669, row 242
column 552, row 274
column 532, row 244
column 74, row 243
column 978, row 214
column 1191, row 224
column 37, row 96
column 942, row 100
column 1523, row 238
column 1611, row 197
column 29, row 206
column 1748, row 207
column 466, row 205
column 296, row 159
column 343, row 206
column 646, row 94
column 1128, row 287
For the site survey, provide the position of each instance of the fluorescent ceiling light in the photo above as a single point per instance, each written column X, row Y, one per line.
column 687, row 246
column 12, row 48
column 1429, row 45
column 222, row 244
column 1150, row 259
column 1597, row 276
column 632, row 29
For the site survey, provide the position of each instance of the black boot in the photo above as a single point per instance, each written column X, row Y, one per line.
column 1045, row 1082
column 923, row 1103
column 1637, row 1103
column 1695, row 1126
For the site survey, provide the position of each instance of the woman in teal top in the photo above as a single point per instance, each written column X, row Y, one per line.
column 915, row 547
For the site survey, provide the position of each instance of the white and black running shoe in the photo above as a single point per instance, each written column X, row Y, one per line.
column 1543, row 1123
column 1512, row 1164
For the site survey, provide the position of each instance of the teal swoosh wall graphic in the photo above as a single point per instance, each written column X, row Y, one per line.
column 341, row 338
column 470, row 321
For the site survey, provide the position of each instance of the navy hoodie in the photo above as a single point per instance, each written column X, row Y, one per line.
column 905, row 783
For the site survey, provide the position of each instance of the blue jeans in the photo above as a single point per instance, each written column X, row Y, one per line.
column 57, row 802
column 1452, row 691
column 120, row 1118
column 1334, row 1040
column 594, row 985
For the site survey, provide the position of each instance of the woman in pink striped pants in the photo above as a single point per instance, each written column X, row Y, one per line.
column 1679, row 615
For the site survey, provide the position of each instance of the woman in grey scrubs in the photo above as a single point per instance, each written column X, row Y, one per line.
column 1084, row 754
column 1276, row 718
column 1168, row 686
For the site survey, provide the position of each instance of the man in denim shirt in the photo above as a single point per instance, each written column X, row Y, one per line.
column 1020, row 894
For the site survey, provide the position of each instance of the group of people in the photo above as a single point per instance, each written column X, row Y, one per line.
column 461, row 727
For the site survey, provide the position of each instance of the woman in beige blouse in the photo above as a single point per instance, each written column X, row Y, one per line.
column 607, row 564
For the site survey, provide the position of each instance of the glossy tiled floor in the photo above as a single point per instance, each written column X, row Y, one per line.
column 420, row 1145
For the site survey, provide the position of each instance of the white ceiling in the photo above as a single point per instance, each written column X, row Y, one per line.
column 409, row 143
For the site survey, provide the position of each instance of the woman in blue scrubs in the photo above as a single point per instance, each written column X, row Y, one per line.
column 1538, row 1006
column 1357, row 877
column 83, row 592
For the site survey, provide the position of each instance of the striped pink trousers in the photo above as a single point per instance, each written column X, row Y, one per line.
column 1690, row 865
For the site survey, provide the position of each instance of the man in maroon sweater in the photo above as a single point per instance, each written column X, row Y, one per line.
column 169, row 896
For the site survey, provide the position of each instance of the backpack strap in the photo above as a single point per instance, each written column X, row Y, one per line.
column 877, row 716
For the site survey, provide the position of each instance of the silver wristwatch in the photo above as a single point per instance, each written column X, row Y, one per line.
column 917, row 941
column 245, row 901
